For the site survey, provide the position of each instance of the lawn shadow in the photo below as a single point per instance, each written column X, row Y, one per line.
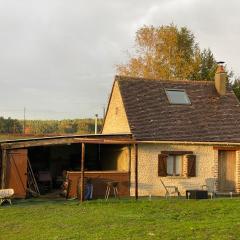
column 40, row 201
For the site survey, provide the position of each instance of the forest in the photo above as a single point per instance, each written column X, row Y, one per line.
column 48, row 127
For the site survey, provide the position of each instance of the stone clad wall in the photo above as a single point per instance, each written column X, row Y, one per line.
column 116, row 118
column 238, row 172
column 132, row 171
column 115, row 158
column 149, row 181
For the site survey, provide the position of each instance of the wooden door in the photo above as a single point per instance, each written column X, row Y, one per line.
column 17, row 172
column 226, row 170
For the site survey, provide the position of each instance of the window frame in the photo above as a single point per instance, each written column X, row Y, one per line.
column 177, row 90
column 174, row 165
column 188, row 166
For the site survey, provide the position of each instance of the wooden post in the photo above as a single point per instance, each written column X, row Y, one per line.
column 99, row 157
column 129, row 161
column 4, row 168
column 130, row 167
column 82, row 172
column 136, row 170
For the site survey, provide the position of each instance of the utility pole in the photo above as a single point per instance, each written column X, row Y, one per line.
column 96, row 123
column 24, row 120
column 104, row 111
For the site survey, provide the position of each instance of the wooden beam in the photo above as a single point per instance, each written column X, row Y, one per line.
column 129, row 159
column 136, row 170
column 176, row 152
column 4, row 168
column 129, row 166
column 63, row 141
column 82, row 172
column 47, row 142
column 99, row 157
column 226, row 148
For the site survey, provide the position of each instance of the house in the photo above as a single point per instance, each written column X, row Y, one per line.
column 187, row 132
column 184, row 133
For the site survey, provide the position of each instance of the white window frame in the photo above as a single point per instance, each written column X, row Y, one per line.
column 167, row 90
column 174, row 165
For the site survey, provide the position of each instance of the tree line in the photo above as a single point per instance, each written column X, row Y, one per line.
column 9, row 126
column 39, row 127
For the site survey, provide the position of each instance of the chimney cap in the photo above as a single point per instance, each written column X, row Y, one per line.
column 220, row 62
column 220, row 67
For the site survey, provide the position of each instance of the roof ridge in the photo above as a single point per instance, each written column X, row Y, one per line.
column 121, row 77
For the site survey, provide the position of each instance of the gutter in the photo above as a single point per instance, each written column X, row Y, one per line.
column 190, row 143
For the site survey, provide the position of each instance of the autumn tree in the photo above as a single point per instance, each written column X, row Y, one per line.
column 168, row 52
column 236, row 87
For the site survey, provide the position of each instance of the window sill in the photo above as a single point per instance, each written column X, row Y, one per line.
column 177, row 177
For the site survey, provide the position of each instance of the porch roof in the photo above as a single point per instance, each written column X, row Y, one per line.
column 69, row 139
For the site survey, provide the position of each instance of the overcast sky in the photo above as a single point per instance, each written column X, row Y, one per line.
column 58, row 57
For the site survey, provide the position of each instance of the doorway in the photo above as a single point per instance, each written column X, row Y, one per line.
column 226, row 171
column 17, row 172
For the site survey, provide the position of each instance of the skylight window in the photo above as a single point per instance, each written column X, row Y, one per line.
column 177, row 96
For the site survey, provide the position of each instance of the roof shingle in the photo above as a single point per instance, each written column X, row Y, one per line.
column 208, row 118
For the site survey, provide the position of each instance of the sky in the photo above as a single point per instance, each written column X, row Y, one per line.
column 58, row 57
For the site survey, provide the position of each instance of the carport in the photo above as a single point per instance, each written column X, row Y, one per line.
column 99, row 157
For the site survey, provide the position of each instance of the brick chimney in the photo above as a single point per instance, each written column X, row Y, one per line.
column 221, row 79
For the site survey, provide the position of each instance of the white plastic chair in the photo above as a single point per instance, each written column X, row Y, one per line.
column 170, row 190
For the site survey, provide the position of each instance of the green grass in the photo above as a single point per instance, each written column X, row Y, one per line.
column 125, row 219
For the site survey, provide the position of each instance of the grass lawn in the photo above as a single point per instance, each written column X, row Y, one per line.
column 125, row 219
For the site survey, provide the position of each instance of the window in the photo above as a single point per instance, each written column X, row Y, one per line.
column 174, row 165
column 177, row 96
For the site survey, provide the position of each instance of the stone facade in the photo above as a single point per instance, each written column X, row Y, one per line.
column 116, row 118
column 148, row 179
column 206, row 169
column 117, row 158
column 238, row 172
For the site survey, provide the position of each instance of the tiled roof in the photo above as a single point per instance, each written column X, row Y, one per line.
column 210, row 117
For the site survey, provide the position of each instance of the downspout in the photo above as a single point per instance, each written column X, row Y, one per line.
column 136, row 170
column 82, row 172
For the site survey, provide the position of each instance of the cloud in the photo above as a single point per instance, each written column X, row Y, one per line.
column 59, row 56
